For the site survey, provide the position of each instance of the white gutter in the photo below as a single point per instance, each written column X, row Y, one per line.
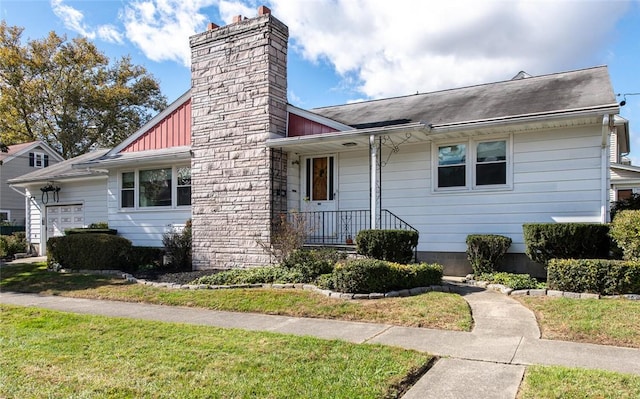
column 183, row 154
column 607, row 128
column 537, row 117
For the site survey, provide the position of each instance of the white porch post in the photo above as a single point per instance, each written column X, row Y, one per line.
column 374, row 187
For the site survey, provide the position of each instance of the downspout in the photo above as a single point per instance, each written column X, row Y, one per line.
column 373, row 155
column 607, row 128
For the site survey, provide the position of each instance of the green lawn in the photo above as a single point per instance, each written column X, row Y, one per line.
column 433, row 310
column 543, row 382
column 598, row 321
column 53, row 354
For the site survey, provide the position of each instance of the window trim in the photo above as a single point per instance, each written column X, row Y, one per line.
column 8, row 212
column 471, row 163
column 136, row 189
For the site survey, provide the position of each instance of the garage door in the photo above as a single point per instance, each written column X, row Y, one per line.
column 61, row 217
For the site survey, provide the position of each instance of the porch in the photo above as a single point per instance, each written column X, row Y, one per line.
column 339, row 228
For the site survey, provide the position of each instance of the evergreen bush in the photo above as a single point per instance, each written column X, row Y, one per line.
column 89, row 251
column 390, row 245
column 484, row 251
column 625, row 230
column 546, row 241
column 600, row 276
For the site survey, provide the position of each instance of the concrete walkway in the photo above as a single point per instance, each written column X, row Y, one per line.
column 489, row 362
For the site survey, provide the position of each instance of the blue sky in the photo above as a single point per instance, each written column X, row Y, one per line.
column 350, row 50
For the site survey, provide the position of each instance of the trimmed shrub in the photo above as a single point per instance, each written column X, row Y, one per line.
column 484, row 251
column 312, row 263
column 546, row 241
column 363, row 276
column 90, row 230
column 89, row 251
column 511, row 280
column 178, row 248
column 625, row 230
column 389, row 245
column 256, row 275
column 600, row 276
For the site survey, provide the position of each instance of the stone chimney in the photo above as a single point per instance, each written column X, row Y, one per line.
column 239, row 100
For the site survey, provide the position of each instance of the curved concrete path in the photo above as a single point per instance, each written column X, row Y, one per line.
column 489, row 362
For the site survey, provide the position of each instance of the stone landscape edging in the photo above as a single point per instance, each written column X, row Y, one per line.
column 446, row 287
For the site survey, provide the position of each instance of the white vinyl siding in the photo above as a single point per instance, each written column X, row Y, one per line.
column 143, row 226
column 91, row 195
column 555, row 177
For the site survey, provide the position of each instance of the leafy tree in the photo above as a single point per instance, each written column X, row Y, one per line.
column 67, row 94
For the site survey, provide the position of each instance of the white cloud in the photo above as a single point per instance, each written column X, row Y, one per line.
column 403, row 46
column 110, row 33
column 72, row 18
column 161, row 28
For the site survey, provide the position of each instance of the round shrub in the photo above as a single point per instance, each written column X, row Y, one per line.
column 625, row 230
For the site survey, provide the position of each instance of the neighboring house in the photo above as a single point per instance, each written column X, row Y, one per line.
column 625, row 178
column 21, row 159
column 233, row 155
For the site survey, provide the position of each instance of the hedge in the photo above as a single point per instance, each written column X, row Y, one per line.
column 484, row 251
column 89, row 251
column 390, row 245
column 600, row 276
column 12, row 244
column 546, row 241
column 364, row 276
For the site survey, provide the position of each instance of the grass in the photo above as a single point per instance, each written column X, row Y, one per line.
column 53, row 354
column 432, row 310
column 542, row 382
column 598, row 321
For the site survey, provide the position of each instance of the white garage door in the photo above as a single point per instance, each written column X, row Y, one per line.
column 61, row 217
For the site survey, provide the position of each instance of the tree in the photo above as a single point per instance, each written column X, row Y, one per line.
column 67, row 94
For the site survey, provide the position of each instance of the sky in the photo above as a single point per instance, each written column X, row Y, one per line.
column 352, row 50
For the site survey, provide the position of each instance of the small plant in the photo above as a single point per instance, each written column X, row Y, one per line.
column 288, row 234
column 177, row 245
column 625, row 230
column 256, row 275
column 312, row 263
column 484, row 251
column 511, row 280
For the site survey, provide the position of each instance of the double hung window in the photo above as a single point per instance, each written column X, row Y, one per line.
column 473, row 165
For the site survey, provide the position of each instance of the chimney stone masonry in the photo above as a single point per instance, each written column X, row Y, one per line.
column 239, row 99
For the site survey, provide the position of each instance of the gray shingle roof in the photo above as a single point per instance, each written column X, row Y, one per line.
column 62, row 170
column 558, row 92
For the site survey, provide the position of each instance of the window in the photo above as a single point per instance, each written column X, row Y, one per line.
column 155, row 187
column 319, row 180
column 148, row 188
column 128, row 191
column 473, row 165
column 184, row 185
column 5, row 216
column 452, row 170
column 491, row 163
column 38, row 160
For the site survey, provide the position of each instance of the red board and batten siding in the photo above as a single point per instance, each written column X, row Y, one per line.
column 299, row 126
column 172, row 131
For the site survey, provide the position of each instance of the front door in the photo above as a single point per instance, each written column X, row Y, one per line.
column 320, row 197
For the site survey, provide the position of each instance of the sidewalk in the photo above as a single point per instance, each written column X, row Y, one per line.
column 488, row 362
